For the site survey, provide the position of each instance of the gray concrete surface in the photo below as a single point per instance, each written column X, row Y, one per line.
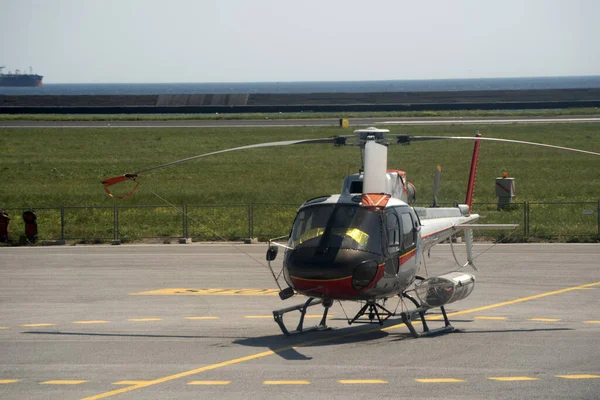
column 71, row 314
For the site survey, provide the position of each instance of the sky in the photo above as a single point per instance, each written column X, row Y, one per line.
column 159, row 41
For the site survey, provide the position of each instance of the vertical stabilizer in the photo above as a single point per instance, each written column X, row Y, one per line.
column 375, row 175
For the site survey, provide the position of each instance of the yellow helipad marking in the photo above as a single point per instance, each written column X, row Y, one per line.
column 513, row 378
column 361, row 381
column 4, row 327
column 263, row 354
column 258, row 316
column 209, row 292
column 5, row 381
column 144, row 319
column 200, row 318
column 286, row 383
column 99, row 321
column 62, row 382
column 129, row 382
column 582, row 376
column 36, row 325
column 440, row 380
column 545, row 319
column 209, row 383
column 591, row 322
column 492, row 318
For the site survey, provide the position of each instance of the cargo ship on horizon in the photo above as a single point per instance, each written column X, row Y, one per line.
column 19, row 79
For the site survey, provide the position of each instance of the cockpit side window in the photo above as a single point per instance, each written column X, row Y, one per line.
column 393, row 232
column 408, row 230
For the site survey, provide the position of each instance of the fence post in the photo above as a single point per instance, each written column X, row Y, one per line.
column 525, row 220
column 116, row 225
column 250, row 220
column 62, row 222
column 184, row 220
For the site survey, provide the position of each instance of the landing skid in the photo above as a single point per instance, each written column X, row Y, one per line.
column 278, row 316
column 409, row 316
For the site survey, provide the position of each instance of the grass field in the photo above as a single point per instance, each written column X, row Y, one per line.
column 63, row 167
column 307, row 115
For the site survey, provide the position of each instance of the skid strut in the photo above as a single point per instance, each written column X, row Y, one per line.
column 408, row 317
column 374, row 310
column 278, row 316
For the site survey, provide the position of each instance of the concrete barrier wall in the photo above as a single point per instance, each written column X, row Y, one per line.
column 277, row 102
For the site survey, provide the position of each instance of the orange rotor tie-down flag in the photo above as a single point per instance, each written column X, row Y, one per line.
column 118, row 179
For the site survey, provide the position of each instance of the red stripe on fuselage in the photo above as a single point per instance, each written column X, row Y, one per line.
column 407, row 256
column 340, row 288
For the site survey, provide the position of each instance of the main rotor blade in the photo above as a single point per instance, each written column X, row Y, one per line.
column 252, row 146
column 424, row 138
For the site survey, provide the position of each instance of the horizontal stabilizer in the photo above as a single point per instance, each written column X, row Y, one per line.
column 490, row 227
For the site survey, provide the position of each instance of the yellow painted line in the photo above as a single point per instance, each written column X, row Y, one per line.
column 545, row 319
column 286, row 383
column 440, row 380
column 200, row 318
column 309, row 343
column 508, row 303
column 129, row 382
column 36, row 325
column 513, row 378
column 591, row 322
column 209, row 383
column 4, row 327
column 99, row 321
column 582, row 376
column 361, row 381
column 258, row 316
column 492, row 318
column 62, row 382
column 5, row 381
column 208, row 292
column 144, row 319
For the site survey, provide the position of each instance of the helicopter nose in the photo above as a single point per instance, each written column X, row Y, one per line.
column 341, row 274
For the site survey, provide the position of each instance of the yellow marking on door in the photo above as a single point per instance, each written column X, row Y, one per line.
column 361, row 381
column 99, row 321
column 209, row 383
column 208, row 292
column 286, row 383
column 513, row 378
column 545, row 319
column 144, row 319
column 258, row 316
column 591, row 322
column 439, row 380
column 200, row 318
column 491, row 318
column 36, row 325
column 581, row 376
column 129, row 382
column 62, row 382
column 256, row 356
column 6, row 381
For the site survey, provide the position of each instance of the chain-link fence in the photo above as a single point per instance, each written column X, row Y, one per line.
column 549, row 221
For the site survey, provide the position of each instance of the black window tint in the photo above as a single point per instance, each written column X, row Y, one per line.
column 393, row 231
column 408, row 234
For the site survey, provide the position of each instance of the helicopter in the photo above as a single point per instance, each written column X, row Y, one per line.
column 368, row 243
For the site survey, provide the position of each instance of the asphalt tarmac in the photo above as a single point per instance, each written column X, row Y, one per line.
column 139, row 322
column 265, row 123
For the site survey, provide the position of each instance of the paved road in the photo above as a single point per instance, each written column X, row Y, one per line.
column 75, row 323
column 298, row 122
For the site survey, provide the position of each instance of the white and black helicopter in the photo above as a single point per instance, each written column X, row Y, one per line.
column 367, row 244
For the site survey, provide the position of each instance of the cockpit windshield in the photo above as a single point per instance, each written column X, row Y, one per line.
column 338, row 225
